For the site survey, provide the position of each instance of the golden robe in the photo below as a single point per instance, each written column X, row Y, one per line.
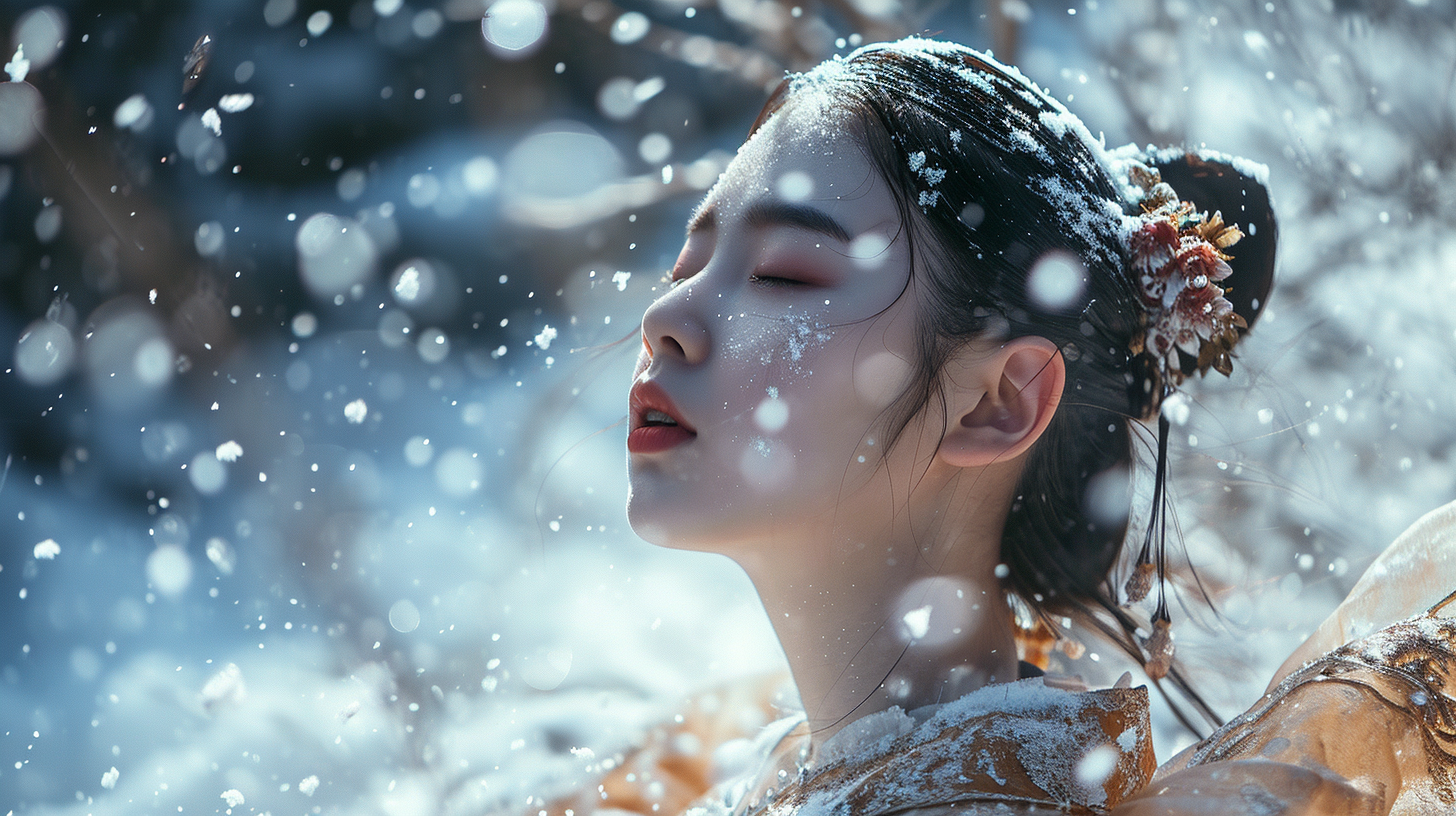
column 1366, row 728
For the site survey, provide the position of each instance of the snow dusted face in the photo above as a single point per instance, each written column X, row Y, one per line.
column 768, row 368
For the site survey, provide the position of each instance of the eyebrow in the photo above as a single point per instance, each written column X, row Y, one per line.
column 773, row 213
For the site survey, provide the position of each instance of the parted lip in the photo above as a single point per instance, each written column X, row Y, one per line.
column 647, row 396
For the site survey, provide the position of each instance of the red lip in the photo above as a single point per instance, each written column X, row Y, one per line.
column 653, row 438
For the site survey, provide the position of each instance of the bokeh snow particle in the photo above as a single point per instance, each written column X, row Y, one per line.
column 278, row 12
column 545, row 669
column 868, row 250
column 233, row 797
column 209, row 239
column 514, row 28
column 318, row 23
column 212, row 121
column 795, row 185
column 1096, row 766
column 620, row 278
column 356, row 411
column 544, row 338
column 1109, row 497
column 169, row 570
column 235, row 103
column 134, row 114
column 44, row 353
column 220, row 553
column 308, row 785
column 404, row 616
column 630, row 28
column 480, row 175
column 20, row 109
column 206, row 473
column 48, row 223
column 304, row 324
column 229, row 451
column 459, row 472
column 334, row 254
column 108, row 779
column 1056, row 281
column 418, row 451
column 351, row 184
column 772, row 414
column 42, row 32
column 433, row 345
column 47, row 549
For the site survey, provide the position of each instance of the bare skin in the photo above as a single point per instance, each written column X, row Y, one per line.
column 785, row 340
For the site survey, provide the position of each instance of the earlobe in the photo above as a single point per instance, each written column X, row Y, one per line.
column 1005, row 404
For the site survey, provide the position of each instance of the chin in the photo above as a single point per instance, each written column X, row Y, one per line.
column 677, row 525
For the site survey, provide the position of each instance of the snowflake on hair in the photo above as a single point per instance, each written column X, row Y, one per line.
column 1178, row 260
column 929, row 176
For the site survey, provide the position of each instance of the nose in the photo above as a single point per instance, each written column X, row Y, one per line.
column 672, row 326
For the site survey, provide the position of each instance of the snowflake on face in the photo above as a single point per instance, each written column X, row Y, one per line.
column 1178, row 260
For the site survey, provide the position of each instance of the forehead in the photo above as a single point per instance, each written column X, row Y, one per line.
column 807, row 152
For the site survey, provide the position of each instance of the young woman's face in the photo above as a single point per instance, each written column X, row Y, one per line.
column 787, row 333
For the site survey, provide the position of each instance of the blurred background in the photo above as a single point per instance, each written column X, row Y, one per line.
column 316, row 319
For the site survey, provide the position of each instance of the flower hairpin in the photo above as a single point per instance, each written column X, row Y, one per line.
column 1177, row 260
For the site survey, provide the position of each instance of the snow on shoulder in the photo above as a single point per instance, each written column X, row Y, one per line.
column 1011, row 742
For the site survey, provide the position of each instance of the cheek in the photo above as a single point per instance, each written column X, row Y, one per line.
column 880, row 378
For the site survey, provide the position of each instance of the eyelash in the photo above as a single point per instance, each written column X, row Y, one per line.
column 775, row 281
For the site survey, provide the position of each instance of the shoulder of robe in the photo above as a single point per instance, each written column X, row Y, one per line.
column 1014, row 748
column 677, row 762
column 1379, row 711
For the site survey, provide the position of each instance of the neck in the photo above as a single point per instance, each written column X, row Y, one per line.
column 912, row 616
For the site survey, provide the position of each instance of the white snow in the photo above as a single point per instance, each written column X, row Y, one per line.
column 229, row 451
column 18, row 66
column 47, row 549
column 235, row 103
column 917, row 622
column 356, row 411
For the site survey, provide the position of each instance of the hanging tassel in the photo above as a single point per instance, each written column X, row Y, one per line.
column 1140, row 583
column 1160, row 650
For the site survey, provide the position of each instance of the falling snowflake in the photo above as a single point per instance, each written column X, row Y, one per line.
column 233, row 103
column 19, row 66
column 108, row 779
column 308, row 785
column 543, row 340
column 47, row 549
column 229, row 451
column 233, row 797
column 356, row 411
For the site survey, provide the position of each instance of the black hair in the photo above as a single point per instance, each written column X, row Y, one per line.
column 992, row 177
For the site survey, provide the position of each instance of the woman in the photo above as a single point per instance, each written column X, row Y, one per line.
column 896, row 378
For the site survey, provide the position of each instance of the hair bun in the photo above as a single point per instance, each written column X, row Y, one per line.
column 1214, row 182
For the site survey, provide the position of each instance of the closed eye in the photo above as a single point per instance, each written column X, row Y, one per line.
column 776, row 281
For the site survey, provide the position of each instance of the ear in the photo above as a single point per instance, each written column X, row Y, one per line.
column 1001, row 403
